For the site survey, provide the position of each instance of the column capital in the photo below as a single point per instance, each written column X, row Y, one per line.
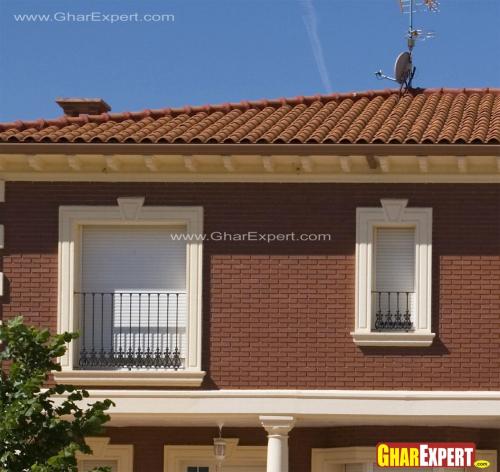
column 277, row 425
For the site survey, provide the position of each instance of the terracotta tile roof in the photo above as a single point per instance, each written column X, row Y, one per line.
column 422, row 116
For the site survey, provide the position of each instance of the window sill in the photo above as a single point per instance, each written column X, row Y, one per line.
column 393, row 339
column 127, row 378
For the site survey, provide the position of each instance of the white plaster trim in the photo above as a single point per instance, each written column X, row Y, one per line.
column 113, row 163
column 393, row 209
column 308, row 407
column 268, row 163
column 123, row 454
column 177, row 458
column 384, row 164
column 130, row 207
column 277, row 425
column 177, row 165
column 390, row 395
column 345, row 164
column 277, row 428
column 228, row 163
column 36, row 163
column 393, row 213
column 306, row 164
column 393, row 339
column 151, row 162
column 74, row 163
column 269, row 176
column 462, row 164
column 126, row 378
column 190, row 164
column 71, row 220
column 2, row 237
column 423, row 164
column 333, row 459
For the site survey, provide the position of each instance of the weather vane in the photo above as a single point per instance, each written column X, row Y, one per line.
column 404, row 70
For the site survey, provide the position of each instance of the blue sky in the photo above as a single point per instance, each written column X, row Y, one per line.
column 230, row 50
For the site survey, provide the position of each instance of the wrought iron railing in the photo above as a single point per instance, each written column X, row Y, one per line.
column 393, row 310
column 132, row 330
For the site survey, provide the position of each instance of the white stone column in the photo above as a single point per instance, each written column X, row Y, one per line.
column 277, row 428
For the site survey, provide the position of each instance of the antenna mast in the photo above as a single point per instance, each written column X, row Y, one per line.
column 404, row 70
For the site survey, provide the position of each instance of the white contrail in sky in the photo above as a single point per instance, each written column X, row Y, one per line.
column 311, row 22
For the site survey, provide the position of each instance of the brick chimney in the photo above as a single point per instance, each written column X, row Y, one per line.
column 83, row 106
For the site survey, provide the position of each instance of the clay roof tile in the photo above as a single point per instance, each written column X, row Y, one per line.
column 439, row 115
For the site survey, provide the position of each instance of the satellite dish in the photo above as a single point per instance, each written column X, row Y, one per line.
column 402, row 67
column 404, row 70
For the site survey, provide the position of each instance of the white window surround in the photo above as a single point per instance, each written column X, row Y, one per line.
column 393, row 214
column 334, row 459
column 129, row 211
column 123, row 454
column 177, row 458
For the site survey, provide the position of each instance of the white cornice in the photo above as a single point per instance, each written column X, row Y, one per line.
column 310, row 394
column 277, row 167
column 308, row 407
column 486, row 178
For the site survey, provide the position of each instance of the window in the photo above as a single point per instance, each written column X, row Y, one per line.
column 393, row 294
column 133, row 300
column 130, row 283
column 119, row 457
column 393, row 275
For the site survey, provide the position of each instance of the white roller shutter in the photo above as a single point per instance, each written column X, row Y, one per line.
column 138, row 277
column 395, row 259
column 394, row 270
column 132, row 258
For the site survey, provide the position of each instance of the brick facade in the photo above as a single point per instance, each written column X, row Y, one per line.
column 279, row 315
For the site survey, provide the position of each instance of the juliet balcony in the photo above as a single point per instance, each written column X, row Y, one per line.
column 393, row 310
column 132, row 330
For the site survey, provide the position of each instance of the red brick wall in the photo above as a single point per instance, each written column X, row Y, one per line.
column 279, row 315
column 148, row 442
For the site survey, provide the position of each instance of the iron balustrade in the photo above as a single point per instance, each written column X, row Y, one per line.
column 132, row 330
column 393, row 310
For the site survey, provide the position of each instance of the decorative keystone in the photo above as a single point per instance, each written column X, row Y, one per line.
column 393, row 209
column 130, row 207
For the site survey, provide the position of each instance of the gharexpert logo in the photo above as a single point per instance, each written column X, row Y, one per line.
column 428, row 455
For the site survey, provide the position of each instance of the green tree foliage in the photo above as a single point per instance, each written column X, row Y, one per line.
column 41, row 429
